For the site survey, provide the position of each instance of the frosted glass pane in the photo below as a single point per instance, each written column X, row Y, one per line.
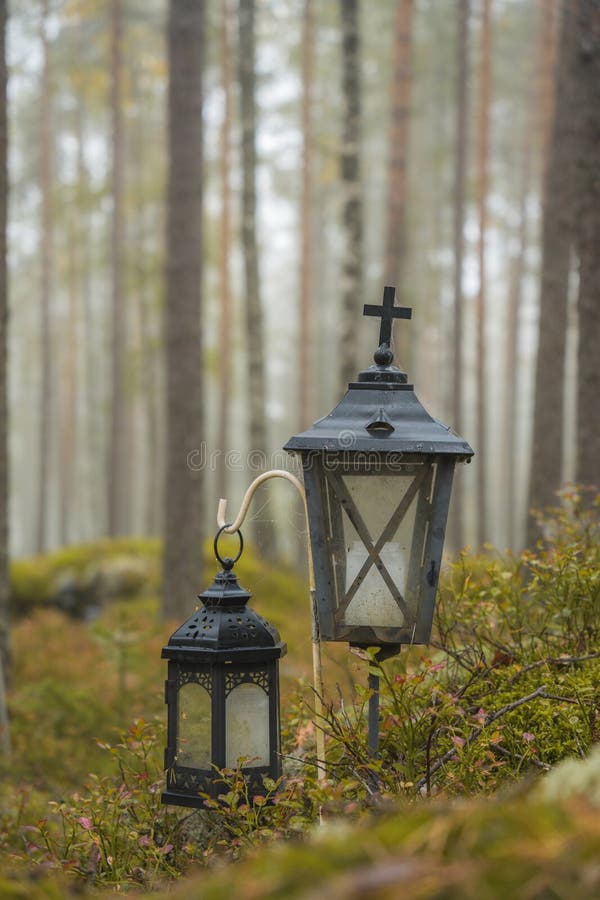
column 194, row 744
column 247, row 718
column 376, row 498
column 373, row 603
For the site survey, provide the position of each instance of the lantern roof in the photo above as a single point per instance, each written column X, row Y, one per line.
column 224, row 628
column 380, row 412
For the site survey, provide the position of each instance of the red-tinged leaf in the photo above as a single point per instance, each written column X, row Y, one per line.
column 458, row 741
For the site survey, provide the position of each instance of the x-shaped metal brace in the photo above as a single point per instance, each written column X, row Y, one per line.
column 374, row 550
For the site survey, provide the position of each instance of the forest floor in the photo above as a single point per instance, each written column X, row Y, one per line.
column 471, row 796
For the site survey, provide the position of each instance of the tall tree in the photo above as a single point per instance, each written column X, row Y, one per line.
column 586, row 122
column 117, row 447
column 482, row 192
column 459, row 199
column 306, row 377
column 264, row 531
column 46, row 249
column 225, row 250
column 557, row 232
column 397, row 182
column 352, row 263
column 184, row 414
column 537, row 120
column 4, row 481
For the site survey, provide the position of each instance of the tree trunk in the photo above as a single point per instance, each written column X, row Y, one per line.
column 46, row 250
column 264, row 531
column 460, row 176
column 557, row 235
column 482, row 192
column 88, row 499
column 118, row 493
column 586, row 114
column 306, row 367
column 184, row 413
column 510, row 396
column 68, row 434
column 5, row 655
column 225, row 356
column 397, row 191
column 352, row 263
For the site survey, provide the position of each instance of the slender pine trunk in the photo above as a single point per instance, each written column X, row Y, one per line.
column 482, row 193
column 265, row 534
column 586, row 78
column 557, row 237
column 5, row 645
column 350, row 160
column 118, row 493
column 46, row 286
column 459, row 201
column 184, row 413
column 306, row 355
column 397, row 181
column 225, row 357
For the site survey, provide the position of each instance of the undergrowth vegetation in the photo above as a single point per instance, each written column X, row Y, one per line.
column 509, row 687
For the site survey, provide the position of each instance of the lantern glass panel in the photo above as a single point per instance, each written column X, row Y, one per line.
column 378, row 523
column 194, row 745
column 247, row 726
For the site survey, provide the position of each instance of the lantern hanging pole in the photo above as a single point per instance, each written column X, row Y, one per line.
column 373, row 715
column 231, row 528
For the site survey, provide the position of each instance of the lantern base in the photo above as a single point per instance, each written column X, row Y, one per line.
column 172, row 798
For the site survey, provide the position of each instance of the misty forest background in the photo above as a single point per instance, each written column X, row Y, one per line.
column 196, row 199
column 193, row 225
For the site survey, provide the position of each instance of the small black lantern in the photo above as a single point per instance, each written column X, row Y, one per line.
column 378, row 476
column 222, row 692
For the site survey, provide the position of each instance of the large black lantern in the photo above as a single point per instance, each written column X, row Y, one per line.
column 222, row 692
column 378, row 476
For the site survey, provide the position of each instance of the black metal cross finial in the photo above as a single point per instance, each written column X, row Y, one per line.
column 387, row 312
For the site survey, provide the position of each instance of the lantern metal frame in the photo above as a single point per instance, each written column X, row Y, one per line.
column 379, row 427
column 223, row 645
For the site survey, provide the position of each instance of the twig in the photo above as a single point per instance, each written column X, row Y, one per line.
column 529, row 759
column 554, row 661
column 492, row 717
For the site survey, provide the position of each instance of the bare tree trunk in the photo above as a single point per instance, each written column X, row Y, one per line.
column 5, row 654
column 510, row 396
column 46, row 249
column 264, row 531
column 460, row 177
column 557, row 236
column 88, row 389
column 184, row 414
column 535, row 134
column 352, row 264
column 306, row 367
column 397, row 193
column 586, row 78
column 68, row 437
column 118, row 493
column 225, row 252
column 482, row 192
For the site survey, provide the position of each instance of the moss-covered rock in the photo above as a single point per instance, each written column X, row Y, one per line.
column 80, row 579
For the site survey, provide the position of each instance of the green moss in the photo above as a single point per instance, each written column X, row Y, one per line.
column 81, row 577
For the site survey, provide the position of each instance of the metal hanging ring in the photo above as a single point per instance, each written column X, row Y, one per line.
column 227, row 563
